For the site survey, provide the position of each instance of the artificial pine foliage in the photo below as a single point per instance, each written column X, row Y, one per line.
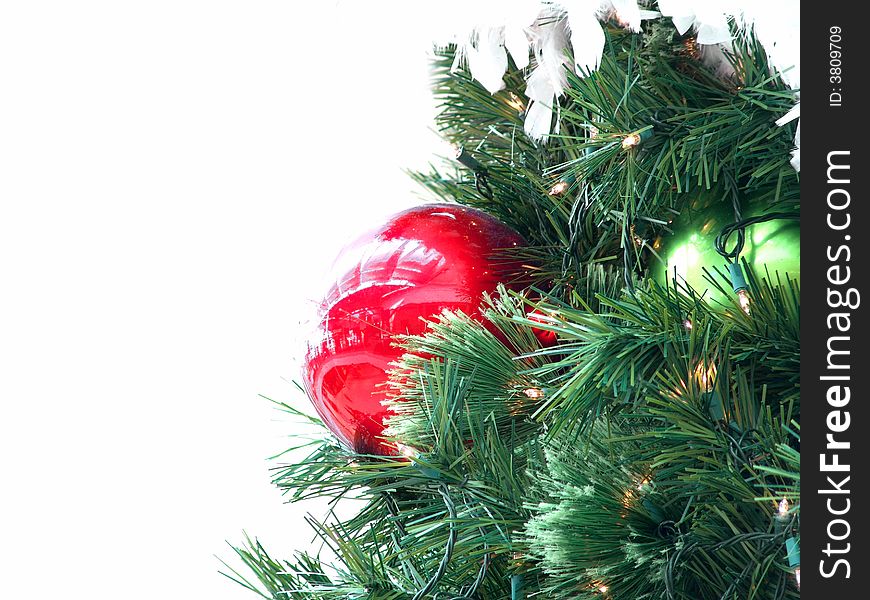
column 648, row 453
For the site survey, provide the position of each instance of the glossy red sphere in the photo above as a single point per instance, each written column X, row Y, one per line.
column 545, row 337
column 424, row 260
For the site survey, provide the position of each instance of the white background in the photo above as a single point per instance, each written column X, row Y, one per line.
column 175, row 178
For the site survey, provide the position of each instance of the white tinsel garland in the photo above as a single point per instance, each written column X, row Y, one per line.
column 491, row 30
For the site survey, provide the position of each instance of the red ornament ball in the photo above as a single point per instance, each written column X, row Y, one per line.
column 545, row 337
column 421, row 262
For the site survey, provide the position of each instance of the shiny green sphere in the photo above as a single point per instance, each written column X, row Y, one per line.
column 774, row 245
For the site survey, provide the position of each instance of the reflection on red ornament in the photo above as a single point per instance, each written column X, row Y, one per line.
column 421, row 262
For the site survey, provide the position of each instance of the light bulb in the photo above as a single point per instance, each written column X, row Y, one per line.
column 797, row 576
column 516, row 103
column 598, row 586
column 634, row 139
column 630, row 140
column 691, row 46
column 559, row 188
column 705, row 375
column 534, row 393
column 687, row 323
column 783, row 507
column 407, row 451
column 743, row 298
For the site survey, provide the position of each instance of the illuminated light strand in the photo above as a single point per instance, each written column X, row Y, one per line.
column 630, row 140
column 633, row 140
column 559, row 188
column 641, row 484
column 599, row 587
column 743, row 299
column 562, row 186
column 705, row 375
column 407, row 451
column 690, row 45
column 738, row 283
column 635, row 238
column 516, row 103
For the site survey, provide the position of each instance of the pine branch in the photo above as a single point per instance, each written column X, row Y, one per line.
column 648, row 450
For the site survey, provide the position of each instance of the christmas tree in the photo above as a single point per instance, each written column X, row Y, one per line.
column 625, row 424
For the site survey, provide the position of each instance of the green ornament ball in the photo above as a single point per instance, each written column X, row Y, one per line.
column 772, row 245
